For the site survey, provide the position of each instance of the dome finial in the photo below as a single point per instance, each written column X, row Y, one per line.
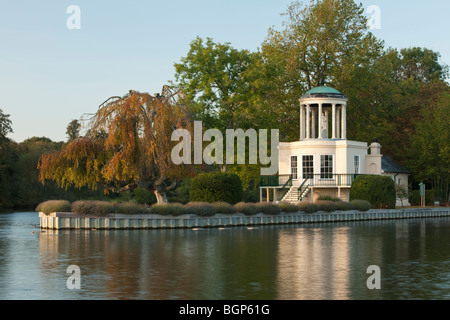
column 322, row 81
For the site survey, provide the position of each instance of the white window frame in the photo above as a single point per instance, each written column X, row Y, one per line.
column 332, row 168
column 313, row 166
column 357, row 164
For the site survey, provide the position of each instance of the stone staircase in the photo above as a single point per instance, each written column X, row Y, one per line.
column 295, row 195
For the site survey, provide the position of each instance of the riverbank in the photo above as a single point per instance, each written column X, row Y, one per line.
column 63, row 220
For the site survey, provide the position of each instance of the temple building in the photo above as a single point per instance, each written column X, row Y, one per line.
column 324, row 161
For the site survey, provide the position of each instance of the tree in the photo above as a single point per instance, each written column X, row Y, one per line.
column 321, row 42
column 326, row 41
column 5, row 125
column 212, row 75
column 378, row 190
column 430, row 144
column 73, row 130
column 127, row 146
column 8, row 158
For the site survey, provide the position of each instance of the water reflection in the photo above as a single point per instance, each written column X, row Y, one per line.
column 319, row 261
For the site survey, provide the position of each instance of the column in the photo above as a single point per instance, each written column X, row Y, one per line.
column 268, row 194
column 302, row 122
column 319, row 116
column 308, row 122
column 313, row 122
column 338, row 121
column 275, row 196
column 260, row 194
column 333, row 121
column 344, row 121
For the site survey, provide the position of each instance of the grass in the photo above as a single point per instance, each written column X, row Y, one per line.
column 50, row 206
column 205, row 209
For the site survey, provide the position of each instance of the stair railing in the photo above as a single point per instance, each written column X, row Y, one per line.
column 285, row 189
column 302, row 189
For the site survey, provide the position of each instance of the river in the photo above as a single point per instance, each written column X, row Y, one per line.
column 294, row 262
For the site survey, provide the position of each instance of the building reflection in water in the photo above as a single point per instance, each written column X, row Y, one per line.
column 313, row 264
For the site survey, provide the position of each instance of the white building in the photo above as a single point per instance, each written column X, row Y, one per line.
column 323, row 161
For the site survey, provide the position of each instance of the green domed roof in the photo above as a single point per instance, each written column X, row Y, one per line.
column 323, row 89
column 323, row 92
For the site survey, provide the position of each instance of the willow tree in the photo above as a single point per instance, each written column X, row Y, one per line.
column 127, row 145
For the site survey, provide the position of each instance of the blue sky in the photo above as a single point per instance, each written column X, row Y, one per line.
column 50, row 75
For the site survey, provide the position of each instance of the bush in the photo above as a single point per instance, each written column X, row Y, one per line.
column 50, row 206
column 328, row 198
column 377, row 190
column 344, row 206
column 168, row 209
column 309, row 207
column 143, row 196
column 415, row 197
column 224, row 208
column 249, row 209
column 216, row 187
column 326, row 205
column 204, row 209
column 93, row 207
column 288, row 207
column 268, row 208
column 131, row 208
column 361, row 205
column 181, row 193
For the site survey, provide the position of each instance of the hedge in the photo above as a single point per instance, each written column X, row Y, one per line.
column 216, row 187
column 378, row 190
column 50, row 206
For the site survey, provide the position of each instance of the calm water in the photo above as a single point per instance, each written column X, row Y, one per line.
column 326, row 261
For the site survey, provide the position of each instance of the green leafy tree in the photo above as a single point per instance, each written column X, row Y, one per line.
column 430, row 144
column 378, row 190
column 5, row 125
column 326, row 41
column 8, row 158
column 73, row 130
column 212, row 75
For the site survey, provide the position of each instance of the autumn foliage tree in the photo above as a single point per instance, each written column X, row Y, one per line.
column 127, row 145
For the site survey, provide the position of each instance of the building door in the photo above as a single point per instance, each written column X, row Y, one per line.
column 294, row 167
column 308, row 168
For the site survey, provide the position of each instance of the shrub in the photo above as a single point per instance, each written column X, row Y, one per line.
column 181, row 193
column 249, row 209
column 224, row 208
column 143, row 196
column 344, row 206
column 268, row 208
column 131, row 208
column 309, row 207
column 328, row 198
column 415, row 197
column 168, row 209
column 361, row 205
column 204, row 209
column 377, row 190
column 50, row 206
column 326, row 205
column 216, row 187
column 288, row 207
column 93, row 207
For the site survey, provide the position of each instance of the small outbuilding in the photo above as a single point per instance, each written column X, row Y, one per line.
column 324, row 161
